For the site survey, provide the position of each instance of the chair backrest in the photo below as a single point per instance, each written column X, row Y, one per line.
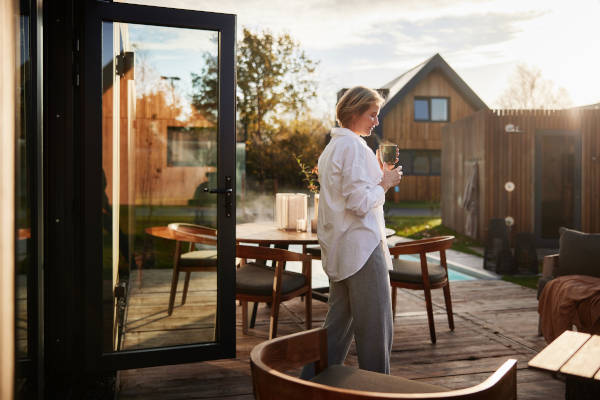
column 267, row 253
column 428, row 245
column 270, row 359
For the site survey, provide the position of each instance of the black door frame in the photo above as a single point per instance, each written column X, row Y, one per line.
column 91, row 189
column 553, row 243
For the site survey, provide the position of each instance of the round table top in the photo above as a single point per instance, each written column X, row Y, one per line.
column 255, row 232
column 251, row 232
column 165, row 232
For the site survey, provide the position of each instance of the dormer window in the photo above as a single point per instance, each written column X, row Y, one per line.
column 431, row 109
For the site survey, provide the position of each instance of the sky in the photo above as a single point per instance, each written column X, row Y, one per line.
column 371, row 42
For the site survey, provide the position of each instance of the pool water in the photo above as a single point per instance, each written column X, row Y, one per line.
column 319, row 279
column 459, row 276
column 453, row 274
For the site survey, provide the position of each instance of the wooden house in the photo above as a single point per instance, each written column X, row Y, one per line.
column 538, row 169
column 419, row 103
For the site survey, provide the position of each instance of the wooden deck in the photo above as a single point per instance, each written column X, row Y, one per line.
column 495, row 320
column 147, row 322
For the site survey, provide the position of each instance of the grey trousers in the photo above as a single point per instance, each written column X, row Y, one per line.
column 360, row 307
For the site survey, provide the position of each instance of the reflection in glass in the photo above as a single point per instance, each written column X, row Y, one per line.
column 421, row 110
column 159, row 146
column 421, row 163
column 23, row 194
column 439, row 109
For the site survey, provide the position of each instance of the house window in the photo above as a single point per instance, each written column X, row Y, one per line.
column 421, row 110
column 433, row 109
column 420, row 162
column 191, row 147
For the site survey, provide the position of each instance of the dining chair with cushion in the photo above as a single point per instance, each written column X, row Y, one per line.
column 422, row 275
column 257, row 282
column 271, row 361
column 200, row 256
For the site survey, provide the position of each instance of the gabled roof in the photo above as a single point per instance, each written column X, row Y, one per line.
column 403, row 84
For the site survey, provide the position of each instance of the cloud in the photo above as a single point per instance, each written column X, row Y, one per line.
column 370, row 42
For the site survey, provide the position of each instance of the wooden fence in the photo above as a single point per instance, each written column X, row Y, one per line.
column 510, row 156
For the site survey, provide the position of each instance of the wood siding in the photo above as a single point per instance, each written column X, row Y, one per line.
column 400, row 127
column 148, row 117
column 511, row 157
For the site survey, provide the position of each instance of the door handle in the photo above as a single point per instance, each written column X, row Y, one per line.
column 228, row 190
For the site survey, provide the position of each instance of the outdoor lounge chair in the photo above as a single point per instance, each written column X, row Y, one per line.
column 271, row 359
column 257, row 282
column 579, row 255
column 420, row 275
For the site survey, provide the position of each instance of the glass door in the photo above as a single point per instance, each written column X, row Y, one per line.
column 558, row 184
column 160, row 134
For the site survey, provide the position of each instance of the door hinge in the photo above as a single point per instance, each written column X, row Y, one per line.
column 124, row 63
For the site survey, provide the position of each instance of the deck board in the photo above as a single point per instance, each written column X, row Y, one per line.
column 495, row 320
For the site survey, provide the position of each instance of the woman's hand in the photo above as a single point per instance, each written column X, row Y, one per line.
column 386, row 166
column 391, row 177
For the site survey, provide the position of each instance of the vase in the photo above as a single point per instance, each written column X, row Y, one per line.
column 314, row 221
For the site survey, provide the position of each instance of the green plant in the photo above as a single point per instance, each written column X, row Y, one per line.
column 311, row 176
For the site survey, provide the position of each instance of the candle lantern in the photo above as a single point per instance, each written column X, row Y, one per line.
column 291, row 211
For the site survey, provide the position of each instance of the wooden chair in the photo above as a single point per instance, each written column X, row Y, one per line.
column 204, row 259
column 270, row 360
column 419, row 275
column 257, row 282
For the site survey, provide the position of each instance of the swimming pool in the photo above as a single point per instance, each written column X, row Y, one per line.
column 455, row 273
column 319, row 279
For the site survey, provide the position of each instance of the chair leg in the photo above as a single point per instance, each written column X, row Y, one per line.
column 394, row 296
column 185, row 287
column 244, row 316
column 274, row 319
column 308, row 309
column 448, row 300
column 174, row 280
column 254, row 311
column 429, row 305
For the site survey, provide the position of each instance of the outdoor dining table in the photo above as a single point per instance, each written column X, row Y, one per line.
column 263, row 234
column 577, row 355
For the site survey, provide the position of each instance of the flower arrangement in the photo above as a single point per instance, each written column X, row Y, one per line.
column 311, row 176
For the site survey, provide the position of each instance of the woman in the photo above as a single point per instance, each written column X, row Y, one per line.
column 351, row 233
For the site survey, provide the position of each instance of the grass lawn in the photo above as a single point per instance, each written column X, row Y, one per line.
column 423, row 227
column 529, row 281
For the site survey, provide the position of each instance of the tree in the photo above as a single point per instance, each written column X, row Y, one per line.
column 274, row 86
column 276, row 160
column 529, row 90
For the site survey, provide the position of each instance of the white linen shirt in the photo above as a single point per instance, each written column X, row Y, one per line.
column 351, row 223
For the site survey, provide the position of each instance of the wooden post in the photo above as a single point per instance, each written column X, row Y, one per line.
column 8, row 76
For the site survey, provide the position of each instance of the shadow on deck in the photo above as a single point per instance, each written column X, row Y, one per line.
column 495, row 320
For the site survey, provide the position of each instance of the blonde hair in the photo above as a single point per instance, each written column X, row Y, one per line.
column 355, row 101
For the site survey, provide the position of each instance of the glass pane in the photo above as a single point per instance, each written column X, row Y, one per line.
column 421, row 110
column 405, row 160
column 24, row 246
column 436, row 162
column 159, row 155
column 421, row 163
column 439, row 109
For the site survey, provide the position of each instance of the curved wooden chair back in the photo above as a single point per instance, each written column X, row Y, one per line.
column 422, row 247
column 279, row 257
column 270, row 359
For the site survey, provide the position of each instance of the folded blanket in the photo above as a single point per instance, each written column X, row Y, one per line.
column 570, row 300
